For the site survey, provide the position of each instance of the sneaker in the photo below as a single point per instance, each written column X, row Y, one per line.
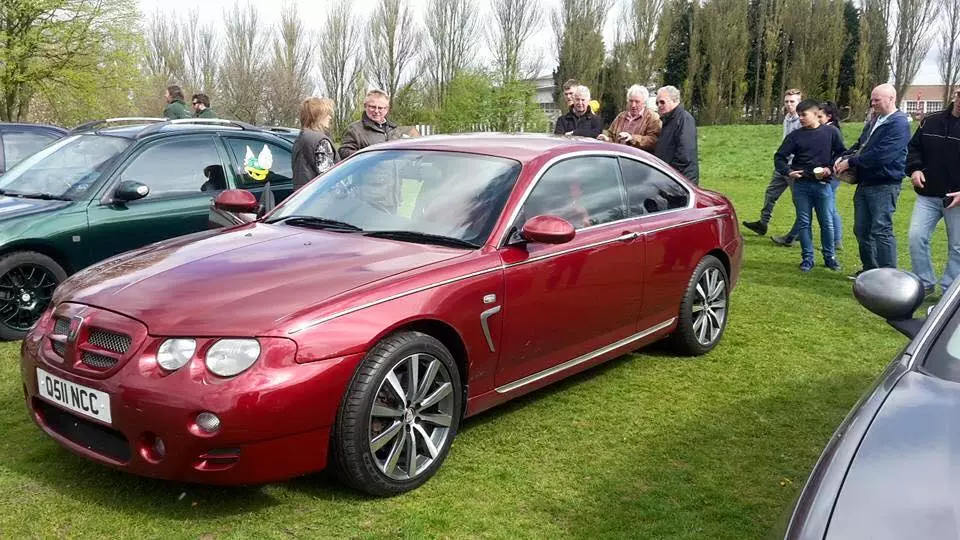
column 758, row 227
column 832, row 265
column 806, row 266
column 784, row 240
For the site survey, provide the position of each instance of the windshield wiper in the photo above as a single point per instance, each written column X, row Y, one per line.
column 323, row 223
column 423, row 238
column 44, row 196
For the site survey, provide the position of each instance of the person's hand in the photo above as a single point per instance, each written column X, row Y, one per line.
column 822, row 172
column 568, row 133
column 625, row 137
column 918, row 179
column 841, row 166
column 603, row 137
column 956, row 199
column 795, row 174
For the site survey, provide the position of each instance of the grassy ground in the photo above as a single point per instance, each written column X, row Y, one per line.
column 647, row 446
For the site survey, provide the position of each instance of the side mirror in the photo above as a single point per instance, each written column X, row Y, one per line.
column 128, row 190
column 548, row 230
column 892, row 294
column 236, row 200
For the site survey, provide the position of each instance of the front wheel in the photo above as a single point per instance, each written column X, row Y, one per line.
column 27, row 282
column 398, row 416
column 703, row 310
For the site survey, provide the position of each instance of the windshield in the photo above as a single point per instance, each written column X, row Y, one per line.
column 65, row 169
column 446, row 194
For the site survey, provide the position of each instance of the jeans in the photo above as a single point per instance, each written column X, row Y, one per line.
column 809, row 195
column 778, row 184
column 873, row 208
column 927, row 211
column 837, row 222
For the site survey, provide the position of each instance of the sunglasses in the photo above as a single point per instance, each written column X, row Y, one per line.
column 661, row 102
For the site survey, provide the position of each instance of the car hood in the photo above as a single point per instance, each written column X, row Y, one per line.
column 14, row 207
column 243, row 281
column 905, row 479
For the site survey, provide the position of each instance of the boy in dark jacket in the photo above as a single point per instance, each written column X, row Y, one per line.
column 814, row 148
column 933, row 164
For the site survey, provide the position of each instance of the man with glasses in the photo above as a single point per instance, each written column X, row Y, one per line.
column 778, row 182
column 372, row 128
column 201, row 106
column 677, row 144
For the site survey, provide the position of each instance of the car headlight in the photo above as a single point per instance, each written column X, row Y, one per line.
column 229, row 357
column 175, row 353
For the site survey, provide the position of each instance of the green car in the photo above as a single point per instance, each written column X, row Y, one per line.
column 107, row 188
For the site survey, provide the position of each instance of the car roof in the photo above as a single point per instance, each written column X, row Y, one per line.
column 141, row 130
column 522, row 147
column 31, row 127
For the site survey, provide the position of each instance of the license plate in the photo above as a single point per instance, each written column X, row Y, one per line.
column 79, row 399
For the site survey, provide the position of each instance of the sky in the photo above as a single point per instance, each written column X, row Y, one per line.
column 313, row 12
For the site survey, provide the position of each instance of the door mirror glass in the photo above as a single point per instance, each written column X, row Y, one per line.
column 128, row 190
column 236, row 200
column 548, row 230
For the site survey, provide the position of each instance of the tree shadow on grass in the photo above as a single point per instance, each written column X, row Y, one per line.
column 675, row 487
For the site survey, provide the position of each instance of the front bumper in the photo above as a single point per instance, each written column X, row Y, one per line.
column 275, row 418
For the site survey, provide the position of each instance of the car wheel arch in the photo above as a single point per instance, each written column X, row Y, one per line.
column 42, row 248
column 722, row 256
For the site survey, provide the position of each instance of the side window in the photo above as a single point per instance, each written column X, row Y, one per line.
column 649, row 190
column 260, row 161
column 181, row 166
column 584, row 191
column 19, row 145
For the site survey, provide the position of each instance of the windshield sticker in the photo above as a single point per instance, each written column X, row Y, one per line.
column 258, row 166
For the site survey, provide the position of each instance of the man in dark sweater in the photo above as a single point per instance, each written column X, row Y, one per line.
column 933, row 163
column 880, row 163
column 580, row 120
column 677, row 144
column 814, row 148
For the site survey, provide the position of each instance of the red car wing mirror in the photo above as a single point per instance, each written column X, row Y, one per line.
column 236, row 200
column 548, row 230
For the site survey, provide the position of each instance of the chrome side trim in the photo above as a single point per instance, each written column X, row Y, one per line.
column 691, row 200
column 684, row 224
column 338, row 314
column 622, row 238
column 581, row 359
column 486, row 327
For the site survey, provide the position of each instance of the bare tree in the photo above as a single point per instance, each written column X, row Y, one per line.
column 289, row 81
column 578, row 30
column 392, row 44
column 452, row 27
column 949, row 63
column 243, row 63
column 165, row 54
column 201, row 54
column 638, row 32
column 513, row 23
column 911, row 40
column 340, row 69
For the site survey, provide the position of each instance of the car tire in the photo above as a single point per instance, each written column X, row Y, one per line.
column 378, row 429
column 703, row 310
column 27, row 282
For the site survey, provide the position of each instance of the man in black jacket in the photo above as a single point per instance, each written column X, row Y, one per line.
column 372, row 128
column 580, row 120
column 677, row 144
column 933, row 163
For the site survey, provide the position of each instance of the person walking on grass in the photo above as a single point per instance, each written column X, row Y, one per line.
column 778, row 183
column 813, row 148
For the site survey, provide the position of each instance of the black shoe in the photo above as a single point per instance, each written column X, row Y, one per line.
column 832, row 265
column 758, row 227
column 784, row 240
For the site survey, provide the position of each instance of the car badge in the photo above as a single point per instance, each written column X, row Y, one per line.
column 75, row 323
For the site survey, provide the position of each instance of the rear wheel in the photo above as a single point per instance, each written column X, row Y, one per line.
column 703, row 310
column 27, row 282
column 398, row 416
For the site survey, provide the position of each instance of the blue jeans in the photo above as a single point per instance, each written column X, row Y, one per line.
column 873, row 208
column 809, row 195
column 837, row 222
column 927, row 211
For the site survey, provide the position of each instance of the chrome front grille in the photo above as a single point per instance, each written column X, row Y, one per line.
column 61, row 327
column 97, row 361
column 109, row 341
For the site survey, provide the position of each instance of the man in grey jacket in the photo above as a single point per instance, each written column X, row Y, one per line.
column 372, row 128
column 778, row 182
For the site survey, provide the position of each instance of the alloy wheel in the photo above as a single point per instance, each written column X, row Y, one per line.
column 411, row 416
column 25, row 292
column 709, row 306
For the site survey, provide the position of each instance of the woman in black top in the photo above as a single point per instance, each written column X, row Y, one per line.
column 830, row 115
column 313, row 151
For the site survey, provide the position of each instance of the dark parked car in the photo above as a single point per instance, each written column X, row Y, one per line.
column 108, row 188
column 413, row 284
column 17, row 141
column 890, row 470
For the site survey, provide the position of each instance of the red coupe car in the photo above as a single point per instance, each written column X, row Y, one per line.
column 417, row 283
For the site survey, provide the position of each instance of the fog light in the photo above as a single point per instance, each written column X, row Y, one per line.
column 159, row 448
column 208, row 422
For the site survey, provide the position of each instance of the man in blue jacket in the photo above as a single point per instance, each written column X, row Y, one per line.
column 880, row 162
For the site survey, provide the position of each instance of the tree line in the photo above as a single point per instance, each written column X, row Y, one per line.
column 67, row 61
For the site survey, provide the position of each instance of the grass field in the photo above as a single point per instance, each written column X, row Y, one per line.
column 646, row 446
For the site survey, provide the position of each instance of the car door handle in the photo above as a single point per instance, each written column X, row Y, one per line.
column 628, row 236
